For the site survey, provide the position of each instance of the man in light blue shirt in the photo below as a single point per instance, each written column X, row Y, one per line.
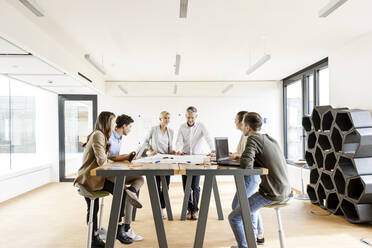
column 123, row 127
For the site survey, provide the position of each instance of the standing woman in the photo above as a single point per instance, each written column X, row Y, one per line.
column 160, row 140
column 95, row 154
column 251, row 181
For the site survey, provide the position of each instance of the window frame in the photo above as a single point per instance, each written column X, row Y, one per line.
column 303, row 76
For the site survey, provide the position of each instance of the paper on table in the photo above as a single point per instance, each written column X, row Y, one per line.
column 174, row 159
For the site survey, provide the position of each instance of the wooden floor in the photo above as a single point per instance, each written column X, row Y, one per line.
column 54, row 216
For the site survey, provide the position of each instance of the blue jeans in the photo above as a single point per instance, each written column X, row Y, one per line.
column 251, row 185
column 256, row 201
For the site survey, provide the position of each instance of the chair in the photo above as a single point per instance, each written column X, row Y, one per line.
column 277, row 206
column 93, row 196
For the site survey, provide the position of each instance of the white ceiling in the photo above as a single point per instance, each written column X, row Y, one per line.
column 20, row 65
column 8, row 48
column 138, row 40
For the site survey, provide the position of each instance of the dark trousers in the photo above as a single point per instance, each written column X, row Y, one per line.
column 108, row 186
column 160, row 189
column 195, row 192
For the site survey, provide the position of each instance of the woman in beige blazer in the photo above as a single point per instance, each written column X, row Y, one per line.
column 96, row 154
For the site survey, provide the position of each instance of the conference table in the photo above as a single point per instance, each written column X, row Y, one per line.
column 120, row 170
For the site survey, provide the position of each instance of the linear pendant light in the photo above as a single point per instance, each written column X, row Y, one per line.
column 122, row 89
column 259, row 63
column 330, row 7
column 227, row 88
column 175, row 89
column 94, row 64
column 177, row 64
column 183, row 8
column 33, row 7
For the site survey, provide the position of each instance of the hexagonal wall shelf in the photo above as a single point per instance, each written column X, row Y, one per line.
column 324, row 142
column 314, row 176
column 319, row 157
column 317, row 115
column 356, row 213
column 333, row 202
column 336, row 138
column 360, row 189
column 306, row 123
column 339, row 181
column 327, row 120
column 311, row 140
column 326, row 180
column 312, row 193
column 330, row 161
column 309, row 159
column 358, row 143
column 354, row 118
column 340, row 159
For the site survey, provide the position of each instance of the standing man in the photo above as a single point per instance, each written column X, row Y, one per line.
column 123, row 127
column 189, row 141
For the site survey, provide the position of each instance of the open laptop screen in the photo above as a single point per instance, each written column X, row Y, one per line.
column 222, row 148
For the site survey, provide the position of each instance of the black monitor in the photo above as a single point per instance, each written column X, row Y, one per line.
column 222, row 148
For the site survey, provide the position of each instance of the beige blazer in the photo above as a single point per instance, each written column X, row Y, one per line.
column 94, row 156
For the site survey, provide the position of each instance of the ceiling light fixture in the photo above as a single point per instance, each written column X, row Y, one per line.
column 259, row 63
column 177, row 64
column 183, row 8
column 330, row 7
column 123, row 89
column 227, row 88
column 33, row 7
column 95, row 64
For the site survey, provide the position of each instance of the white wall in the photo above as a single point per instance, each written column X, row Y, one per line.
column 31, row 170
column 350, row 74
column 217, row 113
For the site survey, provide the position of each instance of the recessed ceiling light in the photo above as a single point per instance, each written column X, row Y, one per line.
column 50, row 82
column 33, row 7
column 94, row 64
column 330, row 7
column 259, row 63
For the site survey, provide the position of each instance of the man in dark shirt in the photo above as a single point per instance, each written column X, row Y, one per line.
column 265, row 151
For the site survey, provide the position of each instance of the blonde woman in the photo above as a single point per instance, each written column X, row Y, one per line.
column 160, row 140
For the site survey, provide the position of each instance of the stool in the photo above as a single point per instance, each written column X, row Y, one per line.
column 92, row 196
column 277, row 206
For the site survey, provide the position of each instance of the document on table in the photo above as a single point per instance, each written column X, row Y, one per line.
column 174, row 159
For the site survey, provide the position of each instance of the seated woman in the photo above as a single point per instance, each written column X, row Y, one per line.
column 95, row 154
column 123, row 127
column 160, row 140
column 251, row 181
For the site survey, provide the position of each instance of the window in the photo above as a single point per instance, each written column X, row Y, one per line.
column 302, row 91
column 28, row 126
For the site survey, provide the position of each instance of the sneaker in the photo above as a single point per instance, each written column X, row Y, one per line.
column 260, row 241
column 189, row 215
column 195, row 215
column 133, row 236
column 163, row 213
column 122, row 236
column 133, row 199
column 97, row 242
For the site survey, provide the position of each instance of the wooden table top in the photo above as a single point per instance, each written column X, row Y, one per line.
column 179, row 169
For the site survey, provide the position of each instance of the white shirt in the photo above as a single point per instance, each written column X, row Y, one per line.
column 241, row 146
column 163, row 141
column 189, row 139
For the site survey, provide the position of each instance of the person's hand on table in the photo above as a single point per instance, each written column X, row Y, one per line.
column 131, row 156
column 153, row 153
column 233, row 156
column 180, row 153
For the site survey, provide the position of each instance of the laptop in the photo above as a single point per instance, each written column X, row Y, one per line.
column 222, row 152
